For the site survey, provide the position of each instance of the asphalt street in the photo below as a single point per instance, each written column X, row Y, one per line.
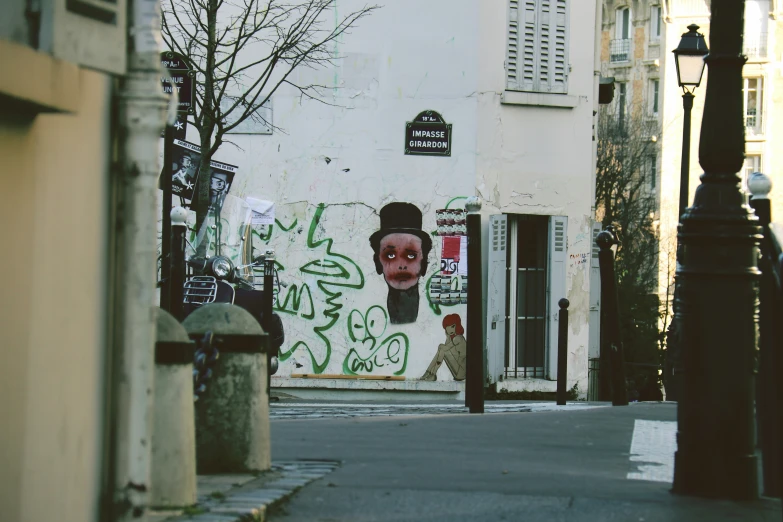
column 568, row 464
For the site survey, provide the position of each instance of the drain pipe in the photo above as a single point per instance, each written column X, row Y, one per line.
column 142, row 110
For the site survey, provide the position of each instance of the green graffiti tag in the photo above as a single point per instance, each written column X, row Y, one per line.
column 368, row 352
column 334, row 272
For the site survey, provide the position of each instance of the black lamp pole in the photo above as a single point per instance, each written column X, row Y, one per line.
column 719, row 277
column 689, row 59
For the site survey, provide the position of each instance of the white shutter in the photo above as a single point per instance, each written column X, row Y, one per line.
column 496, row 297
column 544, row 45
column 556, row 287
column 512, row 46
column 529, row 47
column 559, row 68
column 594, row 338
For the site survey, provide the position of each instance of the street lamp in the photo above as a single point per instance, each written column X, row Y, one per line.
column 718, row 280
column 689, row 59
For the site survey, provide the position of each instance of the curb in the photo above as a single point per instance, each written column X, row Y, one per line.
column 243, row 499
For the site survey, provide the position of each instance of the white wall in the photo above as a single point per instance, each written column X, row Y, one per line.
column 443, row 55
column 538, row 160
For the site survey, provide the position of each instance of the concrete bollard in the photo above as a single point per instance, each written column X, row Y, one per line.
column 173, row 482
column 232, row 415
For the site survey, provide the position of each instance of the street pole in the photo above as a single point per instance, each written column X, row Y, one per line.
column 562, row 351
column 687, row 105
column 165, row 249
column 474, row 379
column 176, row 265
column 718, row 273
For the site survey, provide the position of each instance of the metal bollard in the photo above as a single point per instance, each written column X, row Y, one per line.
column 474, row 381
column 611, row 325
column 173, row 481
column 232, row 415
column 767, row 400
column 562, row 351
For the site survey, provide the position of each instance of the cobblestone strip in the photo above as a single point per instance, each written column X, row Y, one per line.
column 234, row 498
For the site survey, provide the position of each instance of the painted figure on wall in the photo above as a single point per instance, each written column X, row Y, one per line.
column 454, row 351
column 401, row 249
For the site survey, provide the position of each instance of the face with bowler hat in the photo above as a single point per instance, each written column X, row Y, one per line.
column 401, row 246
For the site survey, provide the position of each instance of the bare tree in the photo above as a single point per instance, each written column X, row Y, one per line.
column 626, row 198
column 242, row 52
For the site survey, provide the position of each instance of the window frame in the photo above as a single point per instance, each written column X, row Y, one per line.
column 656, row 23
column 757, row 129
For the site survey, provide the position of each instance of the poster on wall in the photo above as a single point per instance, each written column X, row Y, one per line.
column 428, row 135
column 185, row 161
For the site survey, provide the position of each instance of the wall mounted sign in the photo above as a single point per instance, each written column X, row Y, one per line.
column 428, row 135
column 181, row 80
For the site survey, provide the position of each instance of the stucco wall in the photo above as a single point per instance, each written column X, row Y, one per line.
column 538, row 160
column 54, row 178
column 334, row 169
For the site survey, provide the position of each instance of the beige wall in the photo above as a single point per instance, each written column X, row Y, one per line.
column 54, row 179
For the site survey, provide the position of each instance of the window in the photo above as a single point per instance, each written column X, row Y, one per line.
column 652, row 170
column 655, row 23
column 756, row 26
column 527, row 272
column 537, row 46
column 752, row 94
column 622, row 100
column 655, row 86
column 620, row 47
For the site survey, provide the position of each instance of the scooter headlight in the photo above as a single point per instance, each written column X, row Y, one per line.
column 221, row 267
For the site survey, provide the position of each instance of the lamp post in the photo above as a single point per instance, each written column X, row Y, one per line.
column 689, row 59
column 719, row 289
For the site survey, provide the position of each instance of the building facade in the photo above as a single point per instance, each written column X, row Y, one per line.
column 514, row 82
column 638, row 38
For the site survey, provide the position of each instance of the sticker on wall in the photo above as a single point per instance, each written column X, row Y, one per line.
column 184, row 168
column 428, row 135
column 453, row 351
column 400, row 250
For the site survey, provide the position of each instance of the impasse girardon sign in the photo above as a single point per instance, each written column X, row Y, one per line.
column 428, row 135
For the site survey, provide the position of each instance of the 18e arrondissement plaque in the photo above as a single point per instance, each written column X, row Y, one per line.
column 428, row 135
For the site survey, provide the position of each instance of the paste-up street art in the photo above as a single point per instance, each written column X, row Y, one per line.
column 184, row 170
column 453, row 351
column 369, row 352
column 401, row 249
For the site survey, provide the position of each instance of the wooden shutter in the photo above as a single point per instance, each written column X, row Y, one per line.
column 559, row 79
column 594, row 338
column 556, row 287
column 537, row 46
column 496, row 297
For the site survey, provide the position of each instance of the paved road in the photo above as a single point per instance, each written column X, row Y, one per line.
column 571, row 465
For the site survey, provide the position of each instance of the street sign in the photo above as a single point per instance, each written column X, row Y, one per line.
column 428, row 135
column 181, row 80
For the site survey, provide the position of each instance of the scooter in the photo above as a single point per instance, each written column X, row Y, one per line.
column 223, row 269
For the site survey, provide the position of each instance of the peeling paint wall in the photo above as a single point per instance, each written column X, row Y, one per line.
column 335, row 168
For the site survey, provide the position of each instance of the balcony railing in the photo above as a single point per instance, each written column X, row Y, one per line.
column 620, row 50
column 755, row 46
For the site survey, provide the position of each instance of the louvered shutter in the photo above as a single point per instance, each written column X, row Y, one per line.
column 537, row 46
column 559, row 64
column 496, row 297
column 556, row 287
